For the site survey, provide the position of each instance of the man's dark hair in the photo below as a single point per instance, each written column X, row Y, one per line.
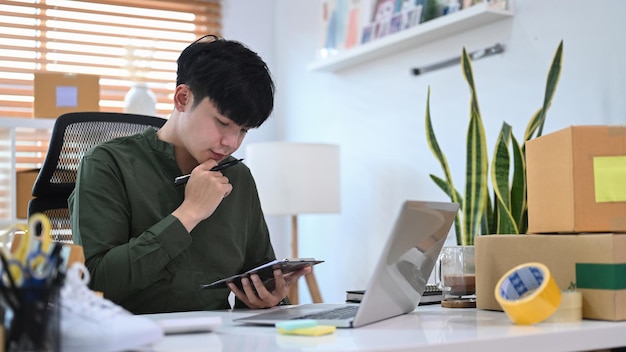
column 232, row 76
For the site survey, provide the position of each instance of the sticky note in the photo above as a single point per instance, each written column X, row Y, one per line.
column 67, row 96
column 609, row 174
column 288, row 325
column 318, row 330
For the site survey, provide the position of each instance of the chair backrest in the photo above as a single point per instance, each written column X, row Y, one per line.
column 72, row 136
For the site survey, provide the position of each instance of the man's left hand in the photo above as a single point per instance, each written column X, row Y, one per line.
column 256, row 296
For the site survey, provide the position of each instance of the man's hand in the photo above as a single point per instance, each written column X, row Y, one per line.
column 255, row 295
column 203, row 193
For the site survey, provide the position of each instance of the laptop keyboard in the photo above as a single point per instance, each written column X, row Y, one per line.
column 337, row 313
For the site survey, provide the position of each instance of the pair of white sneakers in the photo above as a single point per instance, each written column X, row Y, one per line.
column 92, row 323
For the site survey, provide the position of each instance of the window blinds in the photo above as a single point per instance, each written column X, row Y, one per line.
column 122, row 41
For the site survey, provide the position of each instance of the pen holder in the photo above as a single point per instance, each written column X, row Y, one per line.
column 35, row 324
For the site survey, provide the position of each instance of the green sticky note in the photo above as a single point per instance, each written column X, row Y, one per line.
column 609, row 174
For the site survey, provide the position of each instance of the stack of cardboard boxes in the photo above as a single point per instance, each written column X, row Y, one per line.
column 576, row 220
column 55, row 93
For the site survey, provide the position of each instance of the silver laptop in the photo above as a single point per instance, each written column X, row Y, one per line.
column 399, row 278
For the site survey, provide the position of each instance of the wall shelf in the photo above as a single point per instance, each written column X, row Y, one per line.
column 478, row 15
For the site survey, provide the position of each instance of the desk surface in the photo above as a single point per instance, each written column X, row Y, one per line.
column 428, row 328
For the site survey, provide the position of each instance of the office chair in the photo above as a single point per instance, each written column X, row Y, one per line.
column 72, row 135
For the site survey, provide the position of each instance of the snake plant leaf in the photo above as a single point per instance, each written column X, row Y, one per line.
column 466, row 64
column 476, row 180
column 500, row 165
column 476, row 163
column 500, row 179
column 533, row 125
column 436, row 150
column 519, row 205
column 537, row 122
column 490, row 215
column 553, row 78
column 444, row 187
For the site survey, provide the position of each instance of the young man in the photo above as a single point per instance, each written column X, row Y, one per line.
column 149, row 244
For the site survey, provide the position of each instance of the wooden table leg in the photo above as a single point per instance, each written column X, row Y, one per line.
column 314, row 290
column 293, row 293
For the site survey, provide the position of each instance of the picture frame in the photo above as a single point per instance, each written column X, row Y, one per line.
column 367, row 33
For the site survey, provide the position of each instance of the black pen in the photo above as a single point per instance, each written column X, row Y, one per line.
column 183, row 179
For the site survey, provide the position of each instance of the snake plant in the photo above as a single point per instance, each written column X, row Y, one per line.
column 506, row 211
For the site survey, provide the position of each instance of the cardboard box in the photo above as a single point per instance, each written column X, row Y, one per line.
column 24, row 181
column 60, row 93
column 594, row 262
column 576, row 180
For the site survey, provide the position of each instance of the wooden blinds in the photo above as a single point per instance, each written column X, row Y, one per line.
column 122, row 41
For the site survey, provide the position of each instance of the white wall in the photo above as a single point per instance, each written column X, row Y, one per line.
column 375, row 111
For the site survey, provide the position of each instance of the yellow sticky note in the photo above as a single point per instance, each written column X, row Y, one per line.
column 318, row 330
column 609, row 174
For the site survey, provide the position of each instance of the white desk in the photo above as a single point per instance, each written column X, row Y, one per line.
column 428, row 328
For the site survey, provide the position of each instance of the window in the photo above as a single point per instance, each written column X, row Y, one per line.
column 122, row 41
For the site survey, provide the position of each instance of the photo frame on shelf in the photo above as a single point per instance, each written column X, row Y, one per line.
column 395, row 24
column 413, row 17
column 367, row 33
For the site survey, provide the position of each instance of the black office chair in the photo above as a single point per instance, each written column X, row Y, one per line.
column 72, row 135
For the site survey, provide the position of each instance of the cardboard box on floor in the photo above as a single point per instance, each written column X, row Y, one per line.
column 24, row 181
column 576, row 180
column 601, row 261
column 60, row 93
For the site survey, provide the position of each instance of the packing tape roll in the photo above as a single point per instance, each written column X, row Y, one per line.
column 570, row 309
column 528, row 294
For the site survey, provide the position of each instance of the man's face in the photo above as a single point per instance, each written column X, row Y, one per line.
column 206, row 134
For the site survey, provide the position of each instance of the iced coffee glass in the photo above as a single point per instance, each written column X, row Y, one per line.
column 455, row 276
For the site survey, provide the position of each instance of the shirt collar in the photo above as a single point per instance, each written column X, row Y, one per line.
column 155, row 143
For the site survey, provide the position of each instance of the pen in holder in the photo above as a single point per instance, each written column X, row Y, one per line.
column 30, row 286
column 35, row 325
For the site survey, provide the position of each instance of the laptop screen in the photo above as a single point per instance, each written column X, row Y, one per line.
column 407, row 260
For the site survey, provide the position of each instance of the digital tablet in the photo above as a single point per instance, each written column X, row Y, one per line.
column 266, row 272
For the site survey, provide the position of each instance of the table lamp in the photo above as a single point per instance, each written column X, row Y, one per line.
column 293, row 179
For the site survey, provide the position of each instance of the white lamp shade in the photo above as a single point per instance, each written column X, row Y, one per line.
column 295, row 178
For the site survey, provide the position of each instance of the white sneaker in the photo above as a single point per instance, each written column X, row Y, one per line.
column 92, row 323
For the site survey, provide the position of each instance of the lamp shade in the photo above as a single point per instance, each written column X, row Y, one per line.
column 295, row 178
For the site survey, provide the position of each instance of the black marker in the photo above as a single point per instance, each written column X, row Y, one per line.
column 183, row 179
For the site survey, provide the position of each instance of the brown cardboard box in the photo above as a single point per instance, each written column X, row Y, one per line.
column 60, row 93
column 24, row 182
column 565, row 256
column 576, row 180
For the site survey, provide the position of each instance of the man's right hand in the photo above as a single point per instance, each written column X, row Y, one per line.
column 204, row 191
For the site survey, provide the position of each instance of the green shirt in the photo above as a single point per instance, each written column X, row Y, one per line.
column 139, row 255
